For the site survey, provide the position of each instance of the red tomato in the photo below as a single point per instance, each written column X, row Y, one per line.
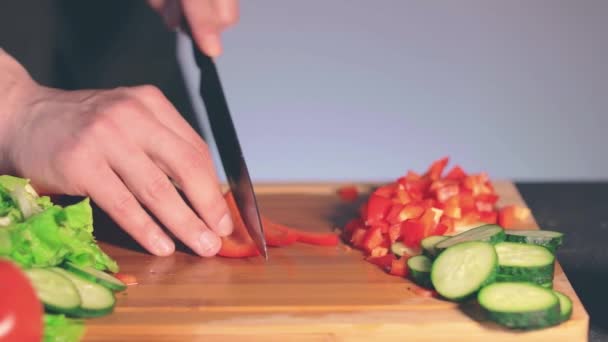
column 20, row 309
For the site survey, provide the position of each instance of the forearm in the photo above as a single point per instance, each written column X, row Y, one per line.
column 15, row 83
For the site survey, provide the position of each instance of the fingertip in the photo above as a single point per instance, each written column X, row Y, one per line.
column 210, row 244
column 225, row 226
column 161, row 245
column 210, row 44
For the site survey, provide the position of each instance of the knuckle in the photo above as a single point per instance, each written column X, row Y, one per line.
column 149, row 91
column 157, row 188
column 214, row 209
column 192, row 166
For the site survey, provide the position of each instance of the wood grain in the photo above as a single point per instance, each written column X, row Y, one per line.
column 303, row 293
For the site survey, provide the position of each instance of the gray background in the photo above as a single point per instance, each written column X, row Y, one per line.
column 364, row 90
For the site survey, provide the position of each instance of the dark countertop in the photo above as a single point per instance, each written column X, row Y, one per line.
column 580, row 210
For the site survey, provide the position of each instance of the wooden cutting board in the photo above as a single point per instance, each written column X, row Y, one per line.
column 303, row 293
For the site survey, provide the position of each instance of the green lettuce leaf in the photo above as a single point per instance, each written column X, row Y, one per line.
column 55, row 235
column 11, row 182
column 58, row 328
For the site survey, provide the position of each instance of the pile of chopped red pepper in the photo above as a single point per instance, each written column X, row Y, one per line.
column 416, row 206
column 240, row 245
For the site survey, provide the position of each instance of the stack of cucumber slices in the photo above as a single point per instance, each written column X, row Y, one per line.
column 75, row 291
column 509, row 272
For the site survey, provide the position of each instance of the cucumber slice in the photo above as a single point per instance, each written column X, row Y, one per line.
column 97, row 276
column 420, row 270
column 428, row 245
column 546, row 281
column 565, row 306
column 546, row 238
column 96, row 300
column 463, row 269
column 520, row 305
column 524, row 262
column 56, row 292
column 488, row 232
column 400, row 249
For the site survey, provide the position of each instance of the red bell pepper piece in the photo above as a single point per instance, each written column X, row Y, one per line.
column 466, row 202
column 448, row 222
column 314, row 238
column 127, row 279
column 357, row 238
column 436, row 169
column 488, row 198
column 428, row 222
column 402, row 197
column 411, row 211
column 513, row 215
column 456, row 173
column 412, row 232
column 467, row 219
column 394, row 232
column 399, row 267
column 383, row 262
column 412, row 176
column 451, row 208
column 348, row 193
column 377, row 208
column 446, row 192
column 373, row 238
column 378, row 251
column 386, row 191
column 238, row 244
column 440, row 229
column 278, row 235
column 354, row 224
column 490, row 217
column 393, row 215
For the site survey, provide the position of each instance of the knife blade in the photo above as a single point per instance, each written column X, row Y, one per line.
column 227, row 143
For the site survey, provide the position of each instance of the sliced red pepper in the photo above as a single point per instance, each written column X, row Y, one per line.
column 428, row 222
column 412, row 232
column 314, row 238
column 377, row 208
column 490, row 217
column 127, row 279
column 357, row 238
column 393, row 215
column 436, row 169
column 447, row 192
column 373, row 238
column 448, row 222
column 411, row 211
column 348, row 193
column 467, row 219
column 378, row 251
column 238, row 244
column 456, row 173
column 512, row 216
column 402, row 197
column 451, row 208
column 383, row 262
column 394, row 232
column 399, row 267
column 488, row 198
column 278, row 235
column 466, row 202
column 440, row 229
column 354, row 224
column 386, row 191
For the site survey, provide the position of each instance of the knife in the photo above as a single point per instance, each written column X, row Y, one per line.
column 228, row 145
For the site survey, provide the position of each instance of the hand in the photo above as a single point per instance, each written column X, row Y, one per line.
column 122, row 147
column 207, row 19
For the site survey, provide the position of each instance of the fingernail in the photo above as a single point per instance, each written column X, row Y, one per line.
column 210, row 243
column 212, row 45
column 162, row 245
column 225, row 226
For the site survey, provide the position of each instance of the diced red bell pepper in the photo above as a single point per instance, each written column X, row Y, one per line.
column 394, row 232
column 490, row 217
column 412, row 232
column 399, row 267
column 403, row 197
column 386, row 191
column 466, row 202
column 373, row 238
column 377, row 208
column 482, row 206
column 358, row 237
column 428, row 222
column 436, row 169
column 446, row 192
column 456, row 173
column 411, row 211
column 384, row 225
column 354, row 224
column 512, row 216
column 467, row 219
column 412, row 176
column 440, row 229
column 393, row 215
column 378, row 251
column 488, row 198
column 383, row 262
column 348, row 193
column 448, row 222
column 451, row 208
